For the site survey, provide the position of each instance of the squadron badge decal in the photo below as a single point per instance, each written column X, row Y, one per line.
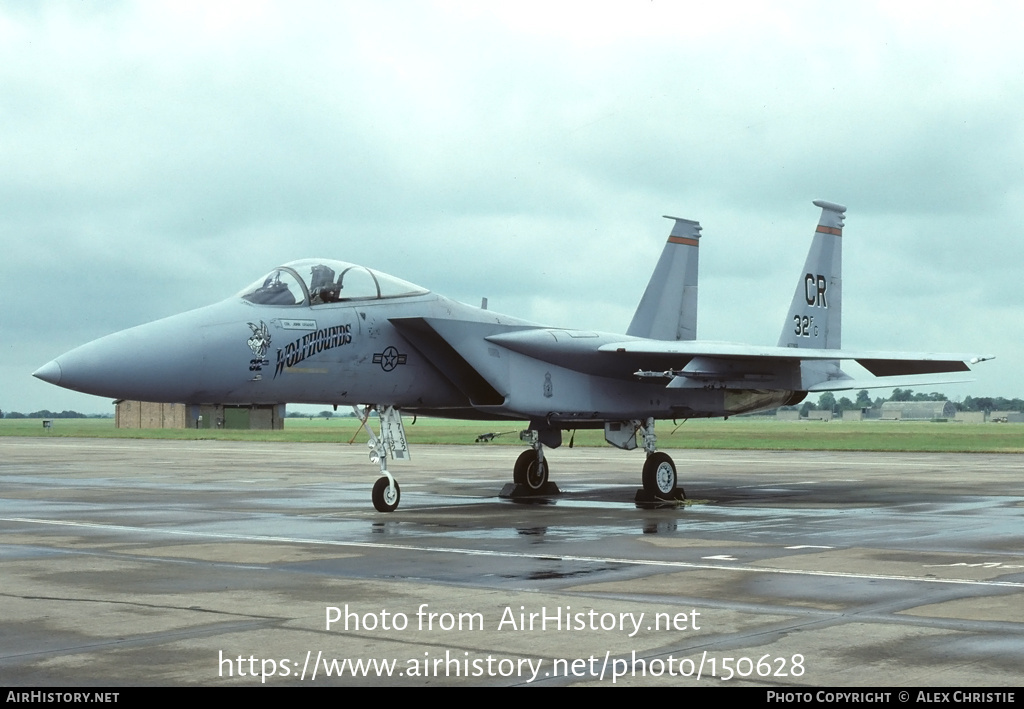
column 259, row 343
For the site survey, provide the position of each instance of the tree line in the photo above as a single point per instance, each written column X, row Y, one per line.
column 45, row 414
column 988, row 404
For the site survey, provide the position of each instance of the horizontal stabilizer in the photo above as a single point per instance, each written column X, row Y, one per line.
column 934, row 361
column 895, row 367
column 888, row 382
column 702, row 360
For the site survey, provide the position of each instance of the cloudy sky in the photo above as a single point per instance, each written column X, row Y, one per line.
column 157, row 157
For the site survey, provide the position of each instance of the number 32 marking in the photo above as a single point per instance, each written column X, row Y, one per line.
column 803, row 326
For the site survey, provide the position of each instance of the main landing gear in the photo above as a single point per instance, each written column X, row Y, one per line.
column 659, row 476
column 530, row 475
column 391, row 440
column 531, row 470
column 660, row 481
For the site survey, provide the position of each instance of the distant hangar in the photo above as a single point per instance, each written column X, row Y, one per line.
column 144, row 414
column 918, row 410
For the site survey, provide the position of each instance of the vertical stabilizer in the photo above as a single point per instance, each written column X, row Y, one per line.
column 668, row 309
column 814, row 318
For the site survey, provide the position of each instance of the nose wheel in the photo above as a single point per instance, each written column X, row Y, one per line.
column 390, row 441
column 386, row 495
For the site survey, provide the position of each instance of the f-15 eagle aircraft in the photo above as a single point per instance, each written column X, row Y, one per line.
column 320, row 331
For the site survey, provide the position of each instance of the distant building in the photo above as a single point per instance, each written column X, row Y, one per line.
column 144, row 414
column 918, row 410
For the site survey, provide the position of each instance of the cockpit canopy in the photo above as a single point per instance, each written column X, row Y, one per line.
column 322, row 281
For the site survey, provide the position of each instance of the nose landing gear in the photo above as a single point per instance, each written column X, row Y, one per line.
column 391, row 440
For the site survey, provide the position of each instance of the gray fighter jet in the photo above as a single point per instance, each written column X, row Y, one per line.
column 320, row 331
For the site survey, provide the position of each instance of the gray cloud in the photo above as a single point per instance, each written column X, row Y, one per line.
column 159, row 157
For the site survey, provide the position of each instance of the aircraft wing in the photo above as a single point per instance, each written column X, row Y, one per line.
column 879, row 363
column 704, row 361
column 697, row 363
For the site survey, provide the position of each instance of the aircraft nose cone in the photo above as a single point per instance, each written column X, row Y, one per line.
column 49, row 372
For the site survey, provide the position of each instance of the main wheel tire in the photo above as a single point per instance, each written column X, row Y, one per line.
column 660, row 475
column 383, row 499
column 530, row 472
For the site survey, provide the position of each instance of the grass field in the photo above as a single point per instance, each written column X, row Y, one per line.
column 736, row 433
